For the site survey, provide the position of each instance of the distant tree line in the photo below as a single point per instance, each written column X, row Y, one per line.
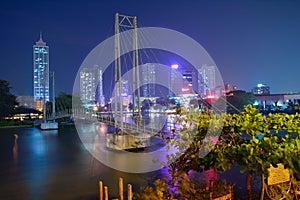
column 7, row 100
column 64, row 102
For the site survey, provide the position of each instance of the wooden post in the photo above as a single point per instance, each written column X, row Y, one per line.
column 129, row 192
column 210, row 195
column 106, row 192
column 100, row 190
column 262, row 187
column 121, row 188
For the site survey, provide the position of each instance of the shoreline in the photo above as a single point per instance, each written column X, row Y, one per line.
column 20, row 126
column 27, row 126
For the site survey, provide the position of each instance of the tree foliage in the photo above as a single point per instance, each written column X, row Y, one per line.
column 237, row 100
column 249, row 138
column 65, row 102
column 7, row 100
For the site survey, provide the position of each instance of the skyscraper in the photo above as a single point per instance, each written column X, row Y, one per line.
column 207, row 80
column 40, row 73
column 91, row 86
column 148, row 80
column 125, row 88
column 100, row 95
column 175, row 80
column 189, row 85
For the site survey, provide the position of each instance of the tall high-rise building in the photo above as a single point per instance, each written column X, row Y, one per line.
column 91, row 86
column 125, row 88
column 40, row 73
column 190, row 79
column 148, row 80
column 207, row 80
column 175, row 81
column 100, row 95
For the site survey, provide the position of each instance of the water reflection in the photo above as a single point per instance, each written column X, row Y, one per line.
column 40, row 146
column 93, row 136
column 55, row 165
column 15, row 147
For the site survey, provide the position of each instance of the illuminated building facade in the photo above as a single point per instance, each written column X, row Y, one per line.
column 91, row 86
column 125, row 88
column 187, row 85
column 40, row 73
column 261, row 89
column 207, row 80
column 276, row 101
column 175, row 81
column 148, row 80
column 190, row 80
column 100, row 95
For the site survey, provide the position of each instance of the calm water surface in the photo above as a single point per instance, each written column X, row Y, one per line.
column 56, row 165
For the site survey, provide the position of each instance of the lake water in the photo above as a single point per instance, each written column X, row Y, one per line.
column 56, row 165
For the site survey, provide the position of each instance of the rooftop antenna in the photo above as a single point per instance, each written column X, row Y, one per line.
column 41, row 38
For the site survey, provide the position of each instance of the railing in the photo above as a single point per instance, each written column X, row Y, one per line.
column 139, row 128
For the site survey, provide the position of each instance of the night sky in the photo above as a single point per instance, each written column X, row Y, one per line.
column 251, row 41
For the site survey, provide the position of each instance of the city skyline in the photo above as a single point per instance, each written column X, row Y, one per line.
column 250, row 41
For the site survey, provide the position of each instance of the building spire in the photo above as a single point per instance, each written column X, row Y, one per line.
column 40, row 42
column 41, row 38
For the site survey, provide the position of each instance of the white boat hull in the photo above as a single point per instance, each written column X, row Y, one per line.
column 49, row 125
